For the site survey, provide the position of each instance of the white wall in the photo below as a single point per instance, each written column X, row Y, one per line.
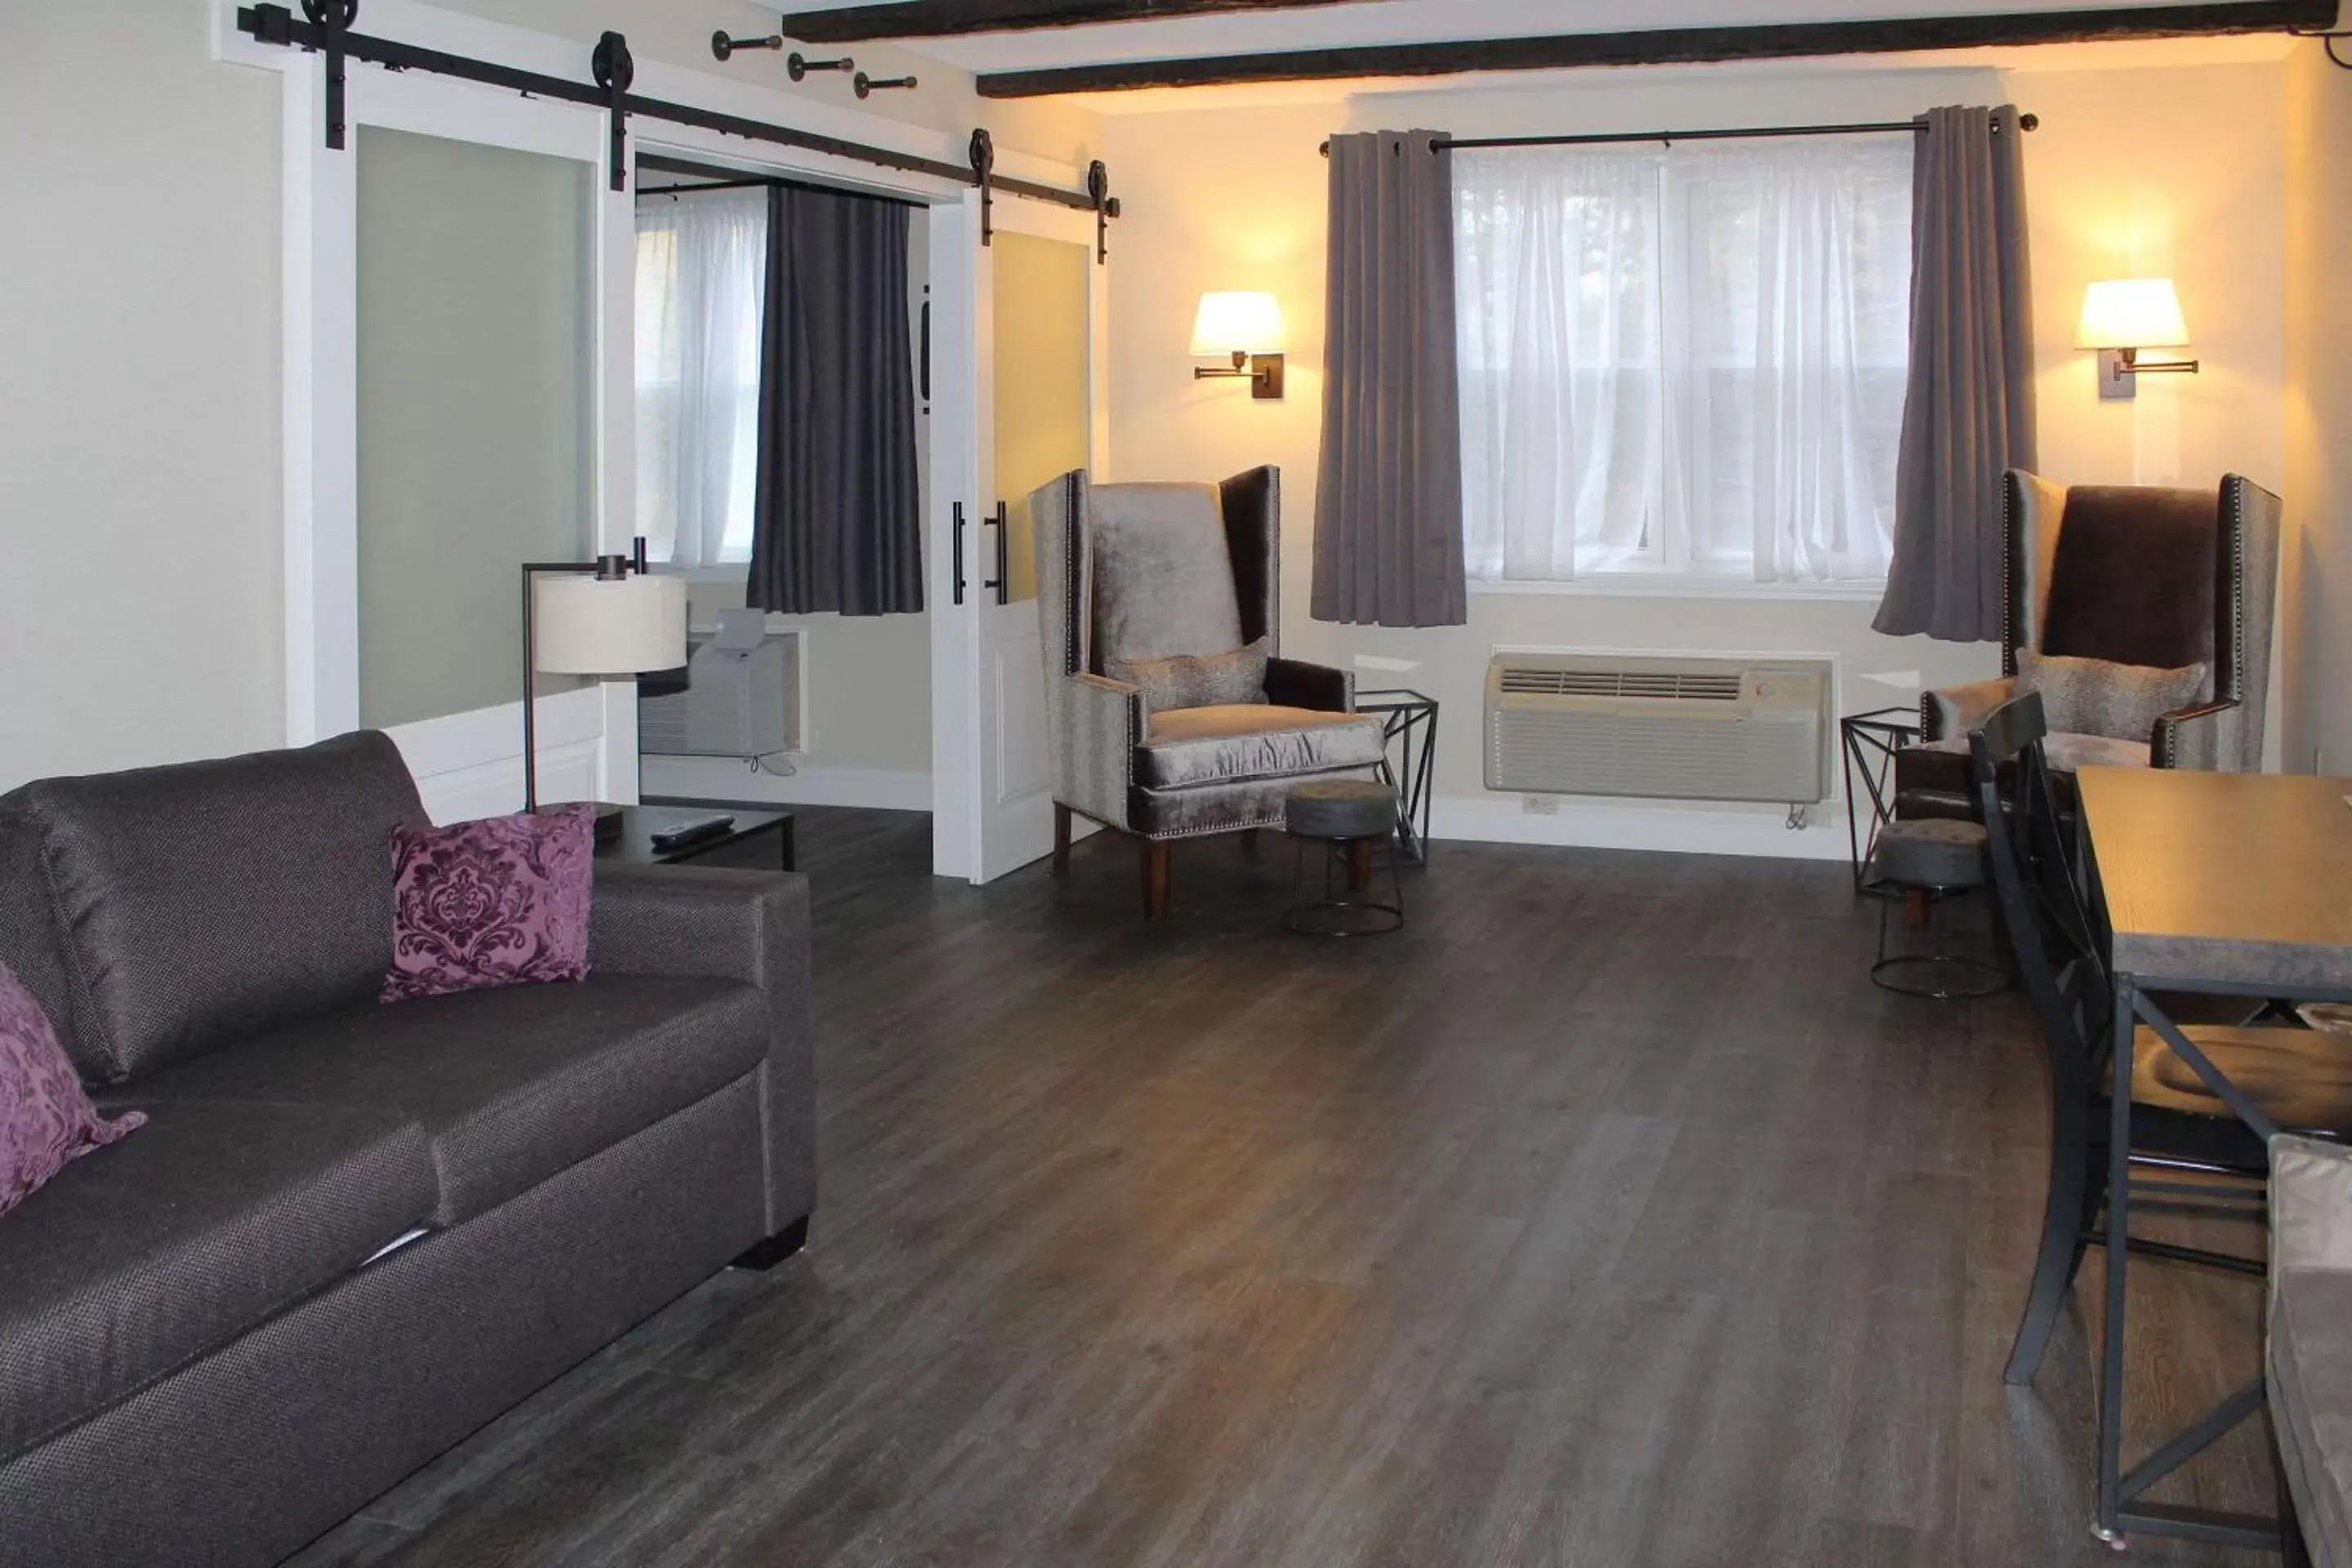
column 139, row 465
column 1235, row 197
column 2318, row 424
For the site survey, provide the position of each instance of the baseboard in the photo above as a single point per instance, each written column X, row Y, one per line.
column 1584, row 822
column 725, row 778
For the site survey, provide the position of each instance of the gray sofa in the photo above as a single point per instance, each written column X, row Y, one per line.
column 352, row 1233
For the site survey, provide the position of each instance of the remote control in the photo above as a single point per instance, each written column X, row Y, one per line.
column 693, row 832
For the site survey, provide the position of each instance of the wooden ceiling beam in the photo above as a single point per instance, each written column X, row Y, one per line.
column 954, row 18
column 1674, row 46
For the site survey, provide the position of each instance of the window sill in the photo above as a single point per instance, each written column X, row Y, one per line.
column 1630, row 586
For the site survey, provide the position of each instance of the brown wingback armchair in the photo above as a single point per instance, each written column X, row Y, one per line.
column 1140, row 589
column 2133, row 575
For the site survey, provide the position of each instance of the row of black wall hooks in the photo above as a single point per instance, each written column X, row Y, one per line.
column 325, row 29
column 797, row 65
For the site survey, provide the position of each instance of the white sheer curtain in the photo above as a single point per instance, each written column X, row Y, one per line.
column 1685, row 362
column 701, row 266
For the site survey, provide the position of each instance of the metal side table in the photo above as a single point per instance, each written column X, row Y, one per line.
column 1869, row 742
column 1409, row 720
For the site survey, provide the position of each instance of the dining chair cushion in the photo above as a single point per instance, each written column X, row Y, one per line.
column 1163, row 573
column 1936, row 852
column 2097, row 696
column 1196, row 680
column 2308, row 1356
column 1248, row 740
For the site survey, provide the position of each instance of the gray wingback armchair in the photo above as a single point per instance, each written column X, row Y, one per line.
column 1169, row 712
column 2133, row 575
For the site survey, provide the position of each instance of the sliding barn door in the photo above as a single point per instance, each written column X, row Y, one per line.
column 468, row 334
column 1042, row 308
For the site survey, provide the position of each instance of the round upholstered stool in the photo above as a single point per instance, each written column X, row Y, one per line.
column 1346, row 818
column 1921, row 864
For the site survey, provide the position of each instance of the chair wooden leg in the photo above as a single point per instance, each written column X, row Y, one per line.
column 1155, row 856
column 1915, row 908
column 1360, row 865
column 1061, row 838
column 1249, row 840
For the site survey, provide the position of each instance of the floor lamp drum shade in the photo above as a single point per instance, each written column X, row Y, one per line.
column 618, row 626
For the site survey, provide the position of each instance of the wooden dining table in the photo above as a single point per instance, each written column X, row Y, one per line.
column 2229, row 884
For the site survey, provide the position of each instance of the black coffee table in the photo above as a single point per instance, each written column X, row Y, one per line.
column 635, row 843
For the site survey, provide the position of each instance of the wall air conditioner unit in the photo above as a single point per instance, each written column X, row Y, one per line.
column 740, row 698
column 1661, row 728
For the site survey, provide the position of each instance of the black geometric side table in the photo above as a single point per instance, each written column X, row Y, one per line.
column 1870, row 742
column 1409, row 720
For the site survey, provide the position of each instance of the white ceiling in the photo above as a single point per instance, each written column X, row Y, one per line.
column 1406, row 21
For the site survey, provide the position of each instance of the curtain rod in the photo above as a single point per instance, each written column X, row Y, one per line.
column 1444, row 143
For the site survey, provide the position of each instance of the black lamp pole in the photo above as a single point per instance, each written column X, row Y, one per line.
column 607, row 569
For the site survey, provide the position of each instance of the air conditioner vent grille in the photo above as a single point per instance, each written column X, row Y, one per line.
column 1667, row 686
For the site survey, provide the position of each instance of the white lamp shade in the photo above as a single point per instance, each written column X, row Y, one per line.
column 623, row 626
column 1233, row 321
column 2132, row 313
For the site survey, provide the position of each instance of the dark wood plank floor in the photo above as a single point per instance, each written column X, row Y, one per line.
column 1606, row 1215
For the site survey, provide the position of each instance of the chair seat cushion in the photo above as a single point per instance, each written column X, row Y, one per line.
column 1252, row 741
column 1938, row 852
column 2065, row 752
column 151, row 1252
column 2309, row 1366
column 511, row 1086
column 2302, row 1078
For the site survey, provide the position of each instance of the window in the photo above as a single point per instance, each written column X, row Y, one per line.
column 701, row 263
column 1683, row 363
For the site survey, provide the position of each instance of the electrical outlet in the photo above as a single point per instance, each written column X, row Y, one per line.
column 1539, row 804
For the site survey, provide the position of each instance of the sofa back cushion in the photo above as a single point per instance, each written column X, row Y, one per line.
column 1163, row 575
column 193, row 905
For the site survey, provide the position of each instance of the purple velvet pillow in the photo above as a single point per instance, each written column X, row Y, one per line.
column 503, row 901
column 45, row 1117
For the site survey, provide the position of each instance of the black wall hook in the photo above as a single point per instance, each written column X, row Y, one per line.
column 799, row 65
column 721, row 46
column 868, row 85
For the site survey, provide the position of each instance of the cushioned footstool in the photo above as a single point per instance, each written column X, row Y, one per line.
column 1347, row 818
column 1921, row 863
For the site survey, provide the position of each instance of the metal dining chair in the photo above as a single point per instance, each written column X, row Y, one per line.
column 2046, row 886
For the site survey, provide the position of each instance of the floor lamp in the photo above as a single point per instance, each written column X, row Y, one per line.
column 602, row 618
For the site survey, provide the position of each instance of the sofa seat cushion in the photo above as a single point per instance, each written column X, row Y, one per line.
column 511, row 1086
column 2310, row 1375
column 165, row 1245
column 1186, row 746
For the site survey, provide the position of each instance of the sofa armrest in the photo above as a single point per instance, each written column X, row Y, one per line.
column 2203, row 737
column 1952, row 711
column 747, row 926
column 1103, row 721
column 1293, row 683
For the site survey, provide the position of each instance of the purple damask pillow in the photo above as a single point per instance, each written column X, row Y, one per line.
column 503, row 901
column 45, row 1117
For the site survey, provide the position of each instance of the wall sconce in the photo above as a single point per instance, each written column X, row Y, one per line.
column 2122, row 317
column 1248, row 326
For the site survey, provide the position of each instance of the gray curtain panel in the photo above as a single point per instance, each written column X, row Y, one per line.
column 837, row 524
column 1967, row 413
column 1387, row 495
